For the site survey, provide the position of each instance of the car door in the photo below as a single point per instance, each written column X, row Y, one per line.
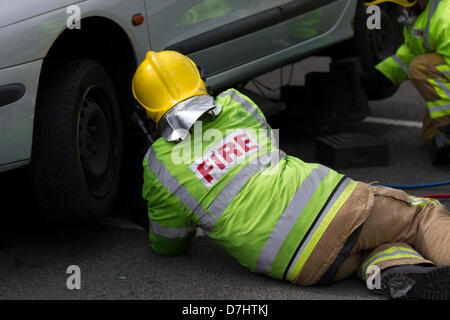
column 222, row 34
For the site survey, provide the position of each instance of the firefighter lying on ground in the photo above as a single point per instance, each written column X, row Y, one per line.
column 217, row 167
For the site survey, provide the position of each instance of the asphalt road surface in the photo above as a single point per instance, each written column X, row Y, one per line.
column 116, row 260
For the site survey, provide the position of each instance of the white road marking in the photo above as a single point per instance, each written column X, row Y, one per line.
column 394, row 122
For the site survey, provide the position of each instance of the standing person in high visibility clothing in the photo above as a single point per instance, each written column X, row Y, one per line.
column 424, row 58
column 217, row 166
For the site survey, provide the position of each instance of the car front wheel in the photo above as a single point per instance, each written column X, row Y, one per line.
column 373, row 46
column 77, row 144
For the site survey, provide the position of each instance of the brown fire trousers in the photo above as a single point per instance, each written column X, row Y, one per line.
column 383, row 227
column 430, row 75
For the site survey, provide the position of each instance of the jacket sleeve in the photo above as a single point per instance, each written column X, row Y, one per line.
column 395, row 67
column 171, row 230
column 443, row 36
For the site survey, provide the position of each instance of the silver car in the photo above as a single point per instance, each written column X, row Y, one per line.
column 66, row 68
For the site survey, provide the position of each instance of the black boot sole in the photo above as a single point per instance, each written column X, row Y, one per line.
column 440, row 149
column 440, row 156
column 416, row 282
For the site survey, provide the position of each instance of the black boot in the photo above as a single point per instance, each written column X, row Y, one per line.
column 416, row 282
column 440, row 147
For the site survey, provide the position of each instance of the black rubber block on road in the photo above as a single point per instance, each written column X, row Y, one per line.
column 351, row 150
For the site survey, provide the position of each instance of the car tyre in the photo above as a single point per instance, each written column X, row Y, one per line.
column 373, row 46
column 77, row 149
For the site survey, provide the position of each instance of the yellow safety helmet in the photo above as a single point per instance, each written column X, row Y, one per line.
column 405, row 3
column 163, row 80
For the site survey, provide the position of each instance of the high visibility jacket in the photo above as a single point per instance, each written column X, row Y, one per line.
column 430, row 33
column 268, row 215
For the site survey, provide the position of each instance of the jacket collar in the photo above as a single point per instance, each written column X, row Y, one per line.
column 175, row 124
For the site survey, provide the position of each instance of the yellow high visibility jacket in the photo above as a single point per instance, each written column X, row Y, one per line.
column 269, row 215
column 430, row 33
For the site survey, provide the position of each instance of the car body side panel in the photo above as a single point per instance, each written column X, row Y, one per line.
column 172, row 21
column 258, row 27
column 16, row 119
column 264, row 43
column 340, row 31
column 37, row 34
column 21, row 61
column 19, row 10
column 255, row 53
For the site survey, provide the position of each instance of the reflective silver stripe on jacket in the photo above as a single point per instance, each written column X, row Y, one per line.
column 172, row 184
column 250, row 109
column 433, row 6
column 446, row 72
column 400, row 63
column 336, row 195
column 443, row 86
column 289, row 217
column 224, row 198
column 230, row 191
column 170, row 232
column 443, row 107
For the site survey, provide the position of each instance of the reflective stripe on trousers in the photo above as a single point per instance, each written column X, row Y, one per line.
column 444, row 91
column 445, row 69
column 439, row 108
column 434, row 109
column 392, row 253
column 422, row 202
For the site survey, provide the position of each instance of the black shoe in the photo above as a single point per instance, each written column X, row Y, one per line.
column 440, row 149
column 416, row 282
